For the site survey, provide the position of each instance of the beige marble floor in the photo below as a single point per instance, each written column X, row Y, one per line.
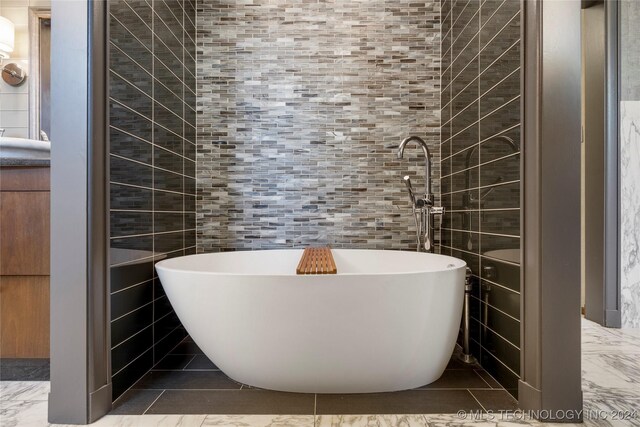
column 611, row 382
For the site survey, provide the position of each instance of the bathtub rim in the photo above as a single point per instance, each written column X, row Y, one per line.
column 460, row 264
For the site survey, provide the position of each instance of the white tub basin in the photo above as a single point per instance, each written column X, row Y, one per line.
column 387, row 321
column 23, row 148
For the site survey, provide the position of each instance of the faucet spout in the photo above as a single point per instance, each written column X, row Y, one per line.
column 427, row 160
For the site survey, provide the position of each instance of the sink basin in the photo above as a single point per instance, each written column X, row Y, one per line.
column 24, row 149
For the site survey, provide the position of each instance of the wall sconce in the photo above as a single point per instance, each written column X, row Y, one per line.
column 13, row 74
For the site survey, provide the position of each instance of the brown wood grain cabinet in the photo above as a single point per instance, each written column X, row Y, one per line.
column 24, row 262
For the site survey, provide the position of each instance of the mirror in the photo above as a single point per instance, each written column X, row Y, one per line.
column 25, row 55
column 40, row 73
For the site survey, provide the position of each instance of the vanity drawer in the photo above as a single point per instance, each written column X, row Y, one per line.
column 24, row 233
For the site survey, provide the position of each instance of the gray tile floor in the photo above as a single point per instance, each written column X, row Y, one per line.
column 24, row 369
column 187, row 382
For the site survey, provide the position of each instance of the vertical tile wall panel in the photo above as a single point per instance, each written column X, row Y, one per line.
column 152, row 198
column 480, row 164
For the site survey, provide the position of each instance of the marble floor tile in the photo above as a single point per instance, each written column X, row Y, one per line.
column 259, row 421
column 371, row 421
column 453, row 420
column 487, row 420
column 34, row 414
column 24, row 390
column 23, row 413
column 150, row 421
column 608, row 411
column 631, row 332
column 611, row 375
column 596, row 339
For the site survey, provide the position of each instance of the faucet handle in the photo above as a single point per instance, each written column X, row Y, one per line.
column 437, row 210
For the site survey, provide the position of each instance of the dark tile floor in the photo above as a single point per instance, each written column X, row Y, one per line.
column 187, row 382
column 24, row 369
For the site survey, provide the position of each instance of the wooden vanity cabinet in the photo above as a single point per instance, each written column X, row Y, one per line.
column 24, row 262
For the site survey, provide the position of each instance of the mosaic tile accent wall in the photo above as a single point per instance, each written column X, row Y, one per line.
column 481, row 170
column 299, row 105
column 152, row 167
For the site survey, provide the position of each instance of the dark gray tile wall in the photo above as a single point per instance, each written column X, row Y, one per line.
column 152, row 167
column 299, row 104
column 481, row 170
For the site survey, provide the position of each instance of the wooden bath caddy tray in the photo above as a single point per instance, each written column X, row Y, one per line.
column 317, row 261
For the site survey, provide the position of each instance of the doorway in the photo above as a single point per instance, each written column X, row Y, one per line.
column 600, row 299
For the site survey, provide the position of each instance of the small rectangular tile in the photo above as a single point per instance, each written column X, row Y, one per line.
column 488, row 378
column 176, row 362
column 457, row 379
column 187, row 347
column 231, row 402
column 201, row 362
column 164, row 345
column 134, row 402
column 495, row 400
column 129, row 375
column 130, row 324
column 135, row 346
column 401, row 402
column 185, row 380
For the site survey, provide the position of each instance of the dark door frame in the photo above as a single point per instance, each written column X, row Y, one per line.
column 550, row 203
column 612, row 306
column 602, row 250
column 80, row 334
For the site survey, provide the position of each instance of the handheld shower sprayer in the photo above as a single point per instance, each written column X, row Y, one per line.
column 407, row 183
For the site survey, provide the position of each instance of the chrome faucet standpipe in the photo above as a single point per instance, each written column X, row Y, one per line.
column 466, row 355
column 423, row 208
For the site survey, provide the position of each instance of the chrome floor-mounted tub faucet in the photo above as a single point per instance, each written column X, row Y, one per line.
column 423, row 207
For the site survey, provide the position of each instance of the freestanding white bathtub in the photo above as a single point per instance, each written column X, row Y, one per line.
column 387, row 321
